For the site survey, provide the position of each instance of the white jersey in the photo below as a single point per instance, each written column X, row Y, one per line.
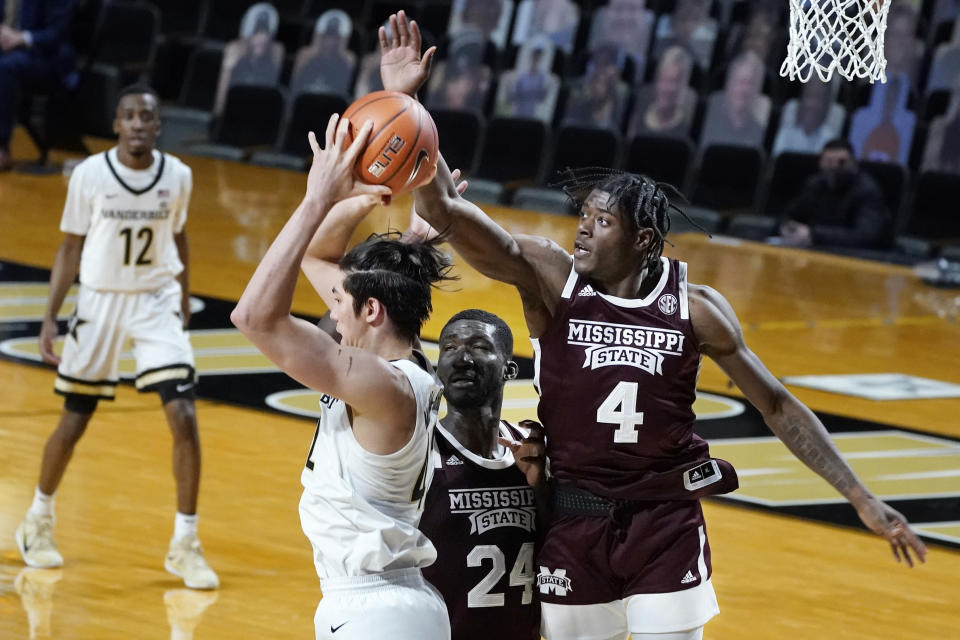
column 129, row 218
column 360, row 510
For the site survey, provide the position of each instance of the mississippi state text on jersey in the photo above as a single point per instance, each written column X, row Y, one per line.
column 481, row 517
column 617, row 381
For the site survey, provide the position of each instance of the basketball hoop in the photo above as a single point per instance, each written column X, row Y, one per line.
column 842, row 36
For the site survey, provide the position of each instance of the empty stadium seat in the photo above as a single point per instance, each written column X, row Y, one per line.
column 728, row 177
column 663, row 159
column 577, row 147
column 512, row 150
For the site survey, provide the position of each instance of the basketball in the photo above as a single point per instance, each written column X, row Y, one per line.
column 403, row 147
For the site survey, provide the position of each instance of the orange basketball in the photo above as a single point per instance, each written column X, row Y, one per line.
column 403, row 147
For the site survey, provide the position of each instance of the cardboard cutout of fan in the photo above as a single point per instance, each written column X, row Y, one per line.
column 403, row 148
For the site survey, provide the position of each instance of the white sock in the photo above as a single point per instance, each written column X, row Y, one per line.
column 184, row 525
column 42, row 504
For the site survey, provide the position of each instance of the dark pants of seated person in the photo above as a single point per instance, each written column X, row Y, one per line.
column 20, row 70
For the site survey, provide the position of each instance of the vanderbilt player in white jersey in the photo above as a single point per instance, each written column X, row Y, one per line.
column 367, row 469
column 124, row 225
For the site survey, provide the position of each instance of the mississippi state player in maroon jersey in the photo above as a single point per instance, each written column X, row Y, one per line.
column 480, row 511
column 619, row 334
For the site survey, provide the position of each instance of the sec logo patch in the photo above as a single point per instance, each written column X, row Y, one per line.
column 668, row 304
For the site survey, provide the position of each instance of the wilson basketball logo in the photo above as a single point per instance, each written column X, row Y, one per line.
column 387, row 154
column 668, row 304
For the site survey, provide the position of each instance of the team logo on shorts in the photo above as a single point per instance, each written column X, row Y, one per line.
column 555, row 581
column 668, row 304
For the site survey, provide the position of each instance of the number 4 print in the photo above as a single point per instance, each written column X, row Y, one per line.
column 620, row 408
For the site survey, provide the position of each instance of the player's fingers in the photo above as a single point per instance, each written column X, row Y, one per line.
column 404, row 28
column 342, row 130
column 331, row 129
column 377, row 190
column 415, row 40
column 384, row 44
column 462, row 187
column 359, row 142
column 427, row 58
column 394, row 35
column 510, row 444
column 455, row 174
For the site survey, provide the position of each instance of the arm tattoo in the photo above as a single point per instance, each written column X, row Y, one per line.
column 814, row 448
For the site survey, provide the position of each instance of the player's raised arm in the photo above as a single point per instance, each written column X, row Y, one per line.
column 721, row 338
column 361, row 379
column 536, row 266
column 321, row 262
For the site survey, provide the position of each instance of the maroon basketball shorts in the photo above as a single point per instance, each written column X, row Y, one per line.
column 653, row 557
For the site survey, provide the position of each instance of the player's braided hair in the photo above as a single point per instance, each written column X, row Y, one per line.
column 399, row 274
column 644, row 202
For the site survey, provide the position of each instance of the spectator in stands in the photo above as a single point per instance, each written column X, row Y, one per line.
column 368, row 77
column 255, row 58
column 945, row 11
column 35, row 55
column 530, row 90
column 757, row 35
column 901, row 47
column 556, row 19
column 689, row 26
column 666, row 107
column 807, row 123
column 627, row 25
column 738, row 115
column 488, row 19
column 463, row 80
column 840, row 206
column 946, row 63
column 326, row 65
column 882, row 130
column 599, row 99
column 943, row 141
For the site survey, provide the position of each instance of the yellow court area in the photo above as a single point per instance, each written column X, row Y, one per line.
column 776, row 576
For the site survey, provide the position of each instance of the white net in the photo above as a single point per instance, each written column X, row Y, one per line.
column 842, row 36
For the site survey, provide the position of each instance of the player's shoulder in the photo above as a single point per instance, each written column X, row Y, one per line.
column 713, row 318
column 543, row 248
column 92, row 163
column 177, row 165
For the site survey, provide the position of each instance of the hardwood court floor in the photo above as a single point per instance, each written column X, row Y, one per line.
column 776, row 576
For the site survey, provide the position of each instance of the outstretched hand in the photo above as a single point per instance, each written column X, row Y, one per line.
column 889, row 523
column 530, row 454
column 331, row 176
column 402, row 68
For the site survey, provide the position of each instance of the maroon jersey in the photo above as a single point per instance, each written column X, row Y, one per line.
column 617, row 380
column 480, row 516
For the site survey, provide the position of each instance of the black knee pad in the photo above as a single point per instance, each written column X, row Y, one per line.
column 173, row 389
column 80, row 403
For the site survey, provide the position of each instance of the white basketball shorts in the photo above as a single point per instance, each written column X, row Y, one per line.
column 399, row 604
column 99, row 327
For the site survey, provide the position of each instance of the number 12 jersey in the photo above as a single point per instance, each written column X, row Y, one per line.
column 129, row 218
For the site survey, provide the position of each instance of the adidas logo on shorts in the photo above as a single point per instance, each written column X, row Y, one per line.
column 687, row 579
column 454, row 460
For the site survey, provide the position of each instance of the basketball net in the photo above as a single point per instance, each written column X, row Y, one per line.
column 842, row 36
